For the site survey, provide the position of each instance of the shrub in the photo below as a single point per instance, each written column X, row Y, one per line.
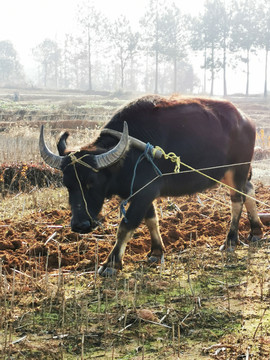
column 24, row 177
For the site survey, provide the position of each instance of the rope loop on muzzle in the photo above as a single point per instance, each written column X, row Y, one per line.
column 74, row 161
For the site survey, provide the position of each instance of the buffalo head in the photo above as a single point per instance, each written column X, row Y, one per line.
column 86, row 176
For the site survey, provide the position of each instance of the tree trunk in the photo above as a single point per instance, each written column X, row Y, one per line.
column 66, row 63
column 212, row 70
column 175, row 74
column 156, row 74
column 89, row 60
column 65, row 72
column 131, row 80
column 77, row 74
column 204, row 75
column 122, row 73
column 247, row 84
column 266, row 73
column 146, row 85
column 56, row 74
column 157, row 49
column 224, row 70
column 45, row 74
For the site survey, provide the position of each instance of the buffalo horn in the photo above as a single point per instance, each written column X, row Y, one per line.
column 50, row 158
column 133, row 141
column 115, row 154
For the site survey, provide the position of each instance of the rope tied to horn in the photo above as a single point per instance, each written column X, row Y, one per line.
column 74, row 161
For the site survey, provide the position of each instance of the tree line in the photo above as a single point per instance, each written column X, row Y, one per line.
column 156, row 55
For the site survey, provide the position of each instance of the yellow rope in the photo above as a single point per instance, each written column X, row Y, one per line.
column 81, row 188
column 174, row 158
column 217, row 181
column 75, row 160
column 171, row 156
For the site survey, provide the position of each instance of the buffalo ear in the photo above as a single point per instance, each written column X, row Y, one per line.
column 62, row 143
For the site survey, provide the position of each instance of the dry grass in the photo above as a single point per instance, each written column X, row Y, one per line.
column 21, row 205
column 20, row 124
column 20, row 143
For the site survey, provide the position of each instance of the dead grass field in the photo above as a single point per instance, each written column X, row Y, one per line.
column 199, row 304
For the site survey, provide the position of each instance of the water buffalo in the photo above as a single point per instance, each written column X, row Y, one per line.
column 207, row 134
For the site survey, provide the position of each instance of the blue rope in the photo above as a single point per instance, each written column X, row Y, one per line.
column 123, row 210
column 148, row 154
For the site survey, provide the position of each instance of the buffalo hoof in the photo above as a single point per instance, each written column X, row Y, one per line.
column 107, row 271
column 254, row 239
column 228, row 249
column 152, row 259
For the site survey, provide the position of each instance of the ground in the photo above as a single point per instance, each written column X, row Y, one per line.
column 198, row 304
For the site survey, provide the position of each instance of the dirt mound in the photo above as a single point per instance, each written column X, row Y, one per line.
column 260, row 153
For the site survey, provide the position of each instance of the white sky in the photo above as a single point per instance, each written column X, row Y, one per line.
column 26, row 23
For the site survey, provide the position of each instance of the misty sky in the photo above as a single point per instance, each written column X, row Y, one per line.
column 26, row 23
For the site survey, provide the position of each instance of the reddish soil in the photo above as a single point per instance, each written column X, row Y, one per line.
column 45, row 241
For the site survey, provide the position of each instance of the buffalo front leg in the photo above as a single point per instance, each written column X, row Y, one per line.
column 157, row 246
column 138, row 208
column 256, row 226
column 114, row 261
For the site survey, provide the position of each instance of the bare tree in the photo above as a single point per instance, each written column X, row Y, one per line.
column 264, row 36
column 174, row 38
column 226, row 12
column 93, row 25
column 125, row 43
column 245, row 32
column 207, row 36
column 215, row 31
column 48, row 54
column 151, row 30
column 10, row 69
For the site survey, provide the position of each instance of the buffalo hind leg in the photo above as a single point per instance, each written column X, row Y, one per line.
column 236, row 179
column 256, row 227
column 157, row 246
column 236, row 210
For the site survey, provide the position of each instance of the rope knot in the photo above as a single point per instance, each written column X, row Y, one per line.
column 72, row 158
column 171, row 156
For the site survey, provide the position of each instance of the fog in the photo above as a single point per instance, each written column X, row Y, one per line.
column 27, row 24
